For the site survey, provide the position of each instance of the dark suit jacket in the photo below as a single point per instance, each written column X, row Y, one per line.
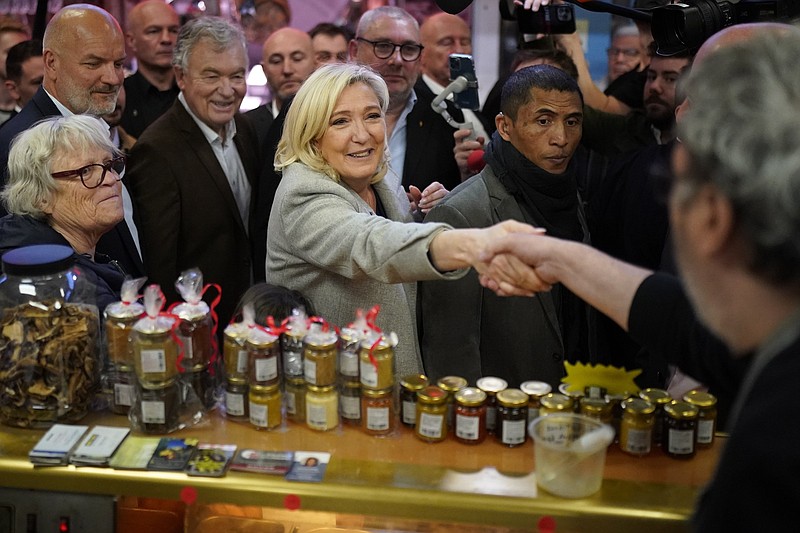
column 469, row 331
column 118, row 243
column 261, row 118
column 185, row 210
column 429, row 143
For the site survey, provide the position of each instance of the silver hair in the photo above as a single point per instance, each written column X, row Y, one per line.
column 743, row 135
column 221, row 33
column 370, row 17
column 33, row 152
column 625, row 30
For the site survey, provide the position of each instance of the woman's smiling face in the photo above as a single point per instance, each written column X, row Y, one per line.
column 353, row 144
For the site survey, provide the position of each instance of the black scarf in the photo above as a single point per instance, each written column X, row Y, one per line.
column 549, row 200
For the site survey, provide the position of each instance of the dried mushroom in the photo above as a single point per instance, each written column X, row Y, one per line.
column 48, row 362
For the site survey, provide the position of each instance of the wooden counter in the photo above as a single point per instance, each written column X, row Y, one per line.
column 397, row 476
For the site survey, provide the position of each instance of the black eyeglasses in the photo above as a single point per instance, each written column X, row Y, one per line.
column 88, row 177
column 385, row 49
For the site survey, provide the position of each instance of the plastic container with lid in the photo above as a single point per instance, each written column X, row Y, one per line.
column 49, row 338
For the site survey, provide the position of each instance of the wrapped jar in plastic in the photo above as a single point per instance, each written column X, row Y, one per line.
column 120, row 317
column 295, row 328
column 155, row 344
column 235, row 357
column 49, row 338
column 196, row 327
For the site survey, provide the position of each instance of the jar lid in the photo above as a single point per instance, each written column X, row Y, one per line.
column 656, row 396
column 414, row 382
column 193, row 312
column 491, row 384
column 535, row 388
column 451, row 383
column 38, row 260
column 237, row 330
column 124, row 310
column 350, row 335
column 700, row 398
column 512, row 398
column 351, row 384
column 555, row 400
column 264, row 389
column 321, row 339
column 594, row 406
column 157, row 325
column 376, row 393
column 681, row 410
column 432, row 394
column 319, row 388
column 258, row 338
column 470, row 397
column 638, row 406
column 296, row 381
column 383, row 347
column 564, row 389
column 236, row 387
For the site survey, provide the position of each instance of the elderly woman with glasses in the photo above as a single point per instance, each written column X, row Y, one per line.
column 337, row 232
column 64, row 188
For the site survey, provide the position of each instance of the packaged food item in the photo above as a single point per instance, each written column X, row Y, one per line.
column 554, row 402
column 680, row 430
column 236, row 360
column 660, row 398
column 322, row 407
column 49, row 338
column 295, row 398
column 512, row 417
column 451, row 385
column 431, row 424
column 198, row 326
column 319, row 357
column 265, row 406
column 470, row 421
column 409, row 386
column 706, row 405
column 120, row 317
column 263, row 357
column 236, row 401
column 377, row 407
column 535, row 390
column 491, row 386
column 295, row 327
column 377, row 361
column 350, row 402
column 155, row 343
column 636, row 428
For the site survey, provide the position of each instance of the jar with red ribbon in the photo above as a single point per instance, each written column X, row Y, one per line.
column 120, row 317
column 377, row 361
column 198, row 324
column 156, row 346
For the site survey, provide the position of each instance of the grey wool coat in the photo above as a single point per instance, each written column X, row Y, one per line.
column 324, row 241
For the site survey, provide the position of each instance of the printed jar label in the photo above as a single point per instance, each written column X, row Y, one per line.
column 378, row 418
column 310, row 368
column 153, row 361
column 513, row 431
column 467, row 427
column 316, row 416
column 680, row 441
column 351, row 407
column 234, row 403
column 291, row 403
column 348, row 364
column 430, row 425
column 154, row 413
column 410, row 413
column 188, row 347
column 369, row 374
column 258, row 414
column 266, row 369
column 293, row 363
column 491, row 418
column 705, row 431
column 123, row 394
column 639, row 441
column 241, row 362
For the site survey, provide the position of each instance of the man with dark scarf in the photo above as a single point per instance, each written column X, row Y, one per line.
column 529, row 176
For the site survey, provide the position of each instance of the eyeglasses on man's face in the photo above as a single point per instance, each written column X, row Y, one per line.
column 626, row 52
column 385, row 49
column 90, row 178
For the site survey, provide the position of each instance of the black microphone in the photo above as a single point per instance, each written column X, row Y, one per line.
column 454, row 7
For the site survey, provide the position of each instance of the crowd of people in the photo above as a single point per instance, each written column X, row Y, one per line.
column 348, row 188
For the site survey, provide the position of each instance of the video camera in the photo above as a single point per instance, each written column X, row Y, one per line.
column 675, row 27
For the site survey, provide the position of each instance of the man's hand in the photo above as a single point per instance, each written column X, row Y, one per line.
column 463, row 149
column 517, row 264
column 431, row 196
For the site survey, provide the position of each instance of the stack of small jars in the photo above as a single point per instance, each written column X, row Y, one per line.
column 120, row 317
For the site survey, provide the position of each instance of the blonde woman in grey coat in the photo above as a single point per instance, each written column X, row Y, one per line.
column 337, row 232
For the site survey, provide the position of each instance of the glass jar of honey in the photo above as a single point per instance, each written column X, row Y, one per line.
column 155, row 352
column 680, row 430
column 470, row 421
column 554, row 402
column 237, row 401
column 431, row 423
column 535, row 390
column 319, row 358
column 512, row 417
column 491, row 386
column 263, row 356
column 295, row 396
column 322, row 407
column 596, row 408
column 349, row 342
column 120, row 317
column 265, row 407
column 636, row 427
column 377, row 407
column 376, row 364
column 350, row 402
column 195, row 331
column 409, row 386
column 451, row 385
column 659, row 398
column 234, row 352
column 707, row 416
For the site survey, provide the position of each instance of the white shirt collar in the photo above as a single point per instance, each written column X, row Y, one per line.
column 209, row 133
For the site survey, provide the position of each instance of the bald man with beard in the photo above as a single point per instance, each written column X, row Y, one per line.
column 83, row 52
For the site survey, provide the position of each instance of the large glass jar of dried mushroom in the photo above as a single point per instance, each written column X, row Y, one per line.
column 49, row 338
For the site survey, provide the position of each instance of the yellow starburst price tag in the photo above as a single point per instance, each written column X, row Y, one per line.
column 614, row 380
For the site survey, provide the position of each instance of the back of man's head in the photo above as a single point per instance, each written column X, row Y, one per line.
column 741, row 133
column 518, row 89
